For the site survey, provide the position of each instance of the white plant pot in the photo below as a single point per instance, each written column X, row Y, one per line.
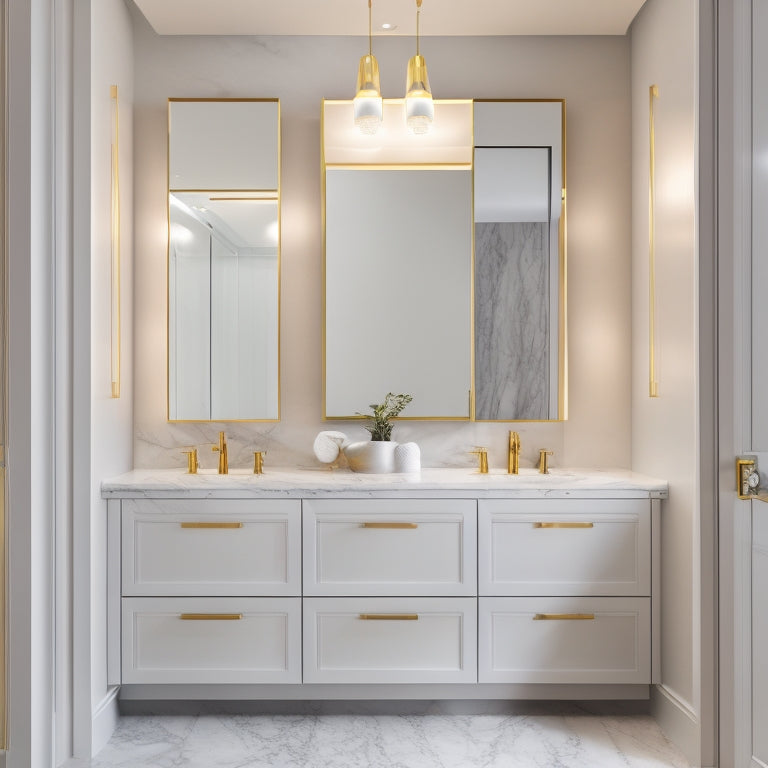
column 372, row 456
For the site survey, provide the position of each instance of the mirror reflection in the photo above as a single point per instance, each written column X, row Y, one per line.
column 223, row 276
column 516, row 285
column 397, row 298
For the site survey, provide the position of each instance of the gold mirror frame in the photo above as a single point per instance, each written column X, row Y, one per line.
column 238, row 193
column 560, row 337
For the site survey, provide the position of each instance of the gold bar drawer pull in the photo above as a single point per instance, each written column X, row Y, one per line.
column 211, row 525
column 391, row 525
column 564, row 617
column 389, row 616
column 563, row 525
column 211, row 616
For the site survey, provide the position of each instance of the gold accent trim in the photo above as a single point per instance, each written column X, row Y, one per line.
column 564, row 617
column 563, row 525
column 242, row 199
column 211, row 616
column 400, row 166
column 115, row 250
column 401, row 100
column 472, row 389
column 258, row 193
column 389, row 617
column 279, row 257
column 563, row 287
column 653, row 384
column 211, row 525
column 217, row 98
column 323, row 304
column 403, row 526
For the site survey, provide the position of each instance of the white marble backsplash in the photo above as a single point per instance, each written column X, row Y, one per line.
column 512, row 320
column 442, row 444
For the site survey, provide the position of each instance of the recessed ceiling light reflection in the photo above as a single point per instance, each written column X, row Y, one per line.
column 180, row 234
column 273, row 232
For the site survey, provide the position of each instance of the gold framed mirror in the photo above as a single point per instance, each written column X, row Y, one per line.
column 223, row 259
column 445, row 261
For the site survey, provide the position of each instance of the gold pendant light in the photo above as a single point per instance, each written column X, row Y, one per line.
column 367, row 104
column 419, row 109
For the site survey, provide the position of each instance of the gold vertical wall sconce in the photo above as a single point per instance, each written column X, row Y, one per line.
column 653, row 384
column 115, row 249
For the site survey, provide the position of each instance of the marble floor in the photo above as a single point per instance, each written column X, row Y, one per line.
column 563, row 736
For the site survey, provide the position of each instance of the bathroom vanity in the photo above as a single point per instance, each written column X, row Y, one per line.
column 313, row 584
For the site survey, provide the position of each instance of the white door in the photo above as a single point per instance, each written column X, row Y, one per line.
column 744, row 524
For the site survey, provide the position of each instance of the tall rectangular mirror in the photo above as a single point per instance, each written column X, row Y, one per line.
column 398, row 263
column 445, row 261
column 223, row 260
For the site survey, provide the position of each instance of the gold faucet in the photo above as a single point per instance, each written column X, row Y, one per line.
column 192, row 463
column 222, row 449
column 258, row 462
column 543, row 461
column 513, row 458
column 482, row 454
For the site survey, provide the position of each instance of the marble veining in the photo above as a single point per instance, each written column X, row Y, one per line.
column 512, row 378
column 568, row 738
column 435, row 483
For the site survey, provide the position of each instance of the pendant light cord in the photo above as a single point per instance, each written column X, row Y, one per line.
column 370, row 43
column 418, row 14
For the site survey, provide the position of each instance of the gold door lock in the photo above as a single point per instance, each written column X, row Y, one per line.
column 748, row 479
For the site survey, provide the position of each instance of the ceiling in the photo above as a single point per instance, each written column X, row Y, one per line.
column 350, row 17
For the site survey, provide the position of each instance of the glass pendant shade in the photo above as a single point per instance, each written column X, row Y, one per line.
column 367, row 104
column 419, row 108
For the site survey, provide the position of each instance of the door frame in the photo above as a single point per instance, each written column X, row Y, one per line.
column 733, row 296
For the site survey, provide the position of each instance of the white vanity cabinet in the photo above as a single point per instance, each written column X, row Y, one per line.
column 325, row 585
column 565, row 591
column 395, row 581
column 210, row 591
column 422, row 547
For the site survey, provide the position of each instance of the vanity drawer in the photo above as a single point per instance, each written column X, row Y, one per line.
column 564, row 640
column 211, row 640
column 390, row 640
column 390, row 547
column 564, row 547
column 211, row 547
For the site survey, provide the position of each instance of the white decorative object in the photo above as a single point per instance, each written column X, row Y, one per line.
column 328, row 445
column 407, row 458
column 371, row 456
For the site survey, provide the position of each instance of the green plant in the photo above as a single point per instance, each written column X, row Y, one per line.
column 383, row 413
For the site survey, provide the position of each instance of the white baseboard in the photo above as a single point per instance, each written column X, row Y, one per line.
column 104, row 720
column 679, row 722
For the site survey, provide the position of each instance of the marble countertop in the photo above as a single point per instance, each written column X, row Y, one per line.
column 463, row 482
